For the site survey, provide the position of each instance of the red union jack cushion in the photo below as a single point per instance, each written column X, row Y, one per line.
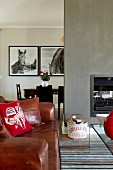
column 13, row 118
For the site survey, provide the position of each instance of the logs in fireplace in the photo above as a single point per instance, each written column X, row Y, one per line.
column 101, row 94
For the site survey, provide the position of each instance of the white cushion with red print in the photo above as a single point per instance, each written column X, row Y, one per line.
column 13, row 118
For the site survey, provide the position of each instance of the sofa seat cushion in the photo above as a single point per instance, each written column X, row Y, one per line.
column 23, row 154
column 13, row 118
column 44, row 128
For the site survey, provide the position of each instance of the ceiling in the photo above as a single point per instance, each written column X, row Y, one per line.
column 32, row 13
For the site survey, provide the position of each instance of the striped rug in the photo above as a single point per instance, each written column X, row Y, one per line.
column 85, row 155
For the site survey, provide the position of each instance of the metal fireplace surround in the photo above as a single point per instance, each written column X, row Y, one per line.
column 101, row 94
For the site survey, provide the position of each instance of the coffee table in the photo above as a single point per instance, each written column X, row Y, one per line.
column 71, row 145
column 99, row 129
column 99, row 138
column 91, row 153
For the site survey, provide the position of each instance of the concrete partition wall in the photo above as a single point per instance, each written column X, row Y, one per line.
column 88, row 49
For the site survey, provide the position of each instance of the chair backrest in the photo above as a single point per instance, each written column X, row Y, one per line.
column 18, row 92
column 45, row 94
column 61, row 94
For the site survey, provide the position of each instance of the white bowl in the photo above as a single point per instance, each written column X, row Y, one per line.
column 101, row 118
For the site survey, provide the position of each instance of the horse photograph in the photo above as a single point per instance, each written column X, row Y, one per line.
column 52, row 60
column 23, row 60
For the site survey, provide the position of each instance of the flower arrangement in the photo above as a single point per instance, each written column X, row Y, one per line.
column 44, row 76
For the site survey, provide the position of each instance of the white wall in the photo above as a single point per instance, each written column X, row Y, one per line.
column 25, row 37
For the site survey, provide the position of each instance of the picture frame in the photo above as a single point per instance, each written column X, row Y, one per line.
column 23, row 60
column 52, row 60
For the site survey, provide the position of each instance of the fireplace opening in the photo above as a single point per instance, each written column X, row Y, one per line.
column 101, row 94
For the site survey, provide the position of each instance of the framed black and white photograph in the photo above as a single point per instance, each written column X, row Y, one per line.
column 52, row 59
column 23, row 60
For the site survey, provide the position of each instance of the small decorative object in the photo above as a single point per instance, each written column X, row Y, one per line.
column 74, row 118
column 108, row 125
column 76, row 128
column 44, row 83
column 45, row 78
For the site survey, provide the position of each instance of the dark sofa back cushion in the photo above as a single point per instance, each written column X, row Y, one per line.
column 2, row 100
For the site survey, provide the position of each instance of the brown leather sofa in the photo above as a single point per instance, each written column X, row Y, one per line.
column 37, row 149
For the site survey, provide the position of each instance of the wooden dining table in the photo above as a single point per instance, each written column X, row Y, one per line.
column 31, row 92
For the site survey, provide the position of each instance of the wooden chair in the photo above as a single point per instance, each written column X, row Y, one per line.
column 19, row 97
column 45, row 94
column 60, row 99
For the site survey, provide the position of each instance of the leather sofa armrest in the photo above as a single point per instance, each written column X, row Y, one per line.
column 23, row 153
column 47, row 111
